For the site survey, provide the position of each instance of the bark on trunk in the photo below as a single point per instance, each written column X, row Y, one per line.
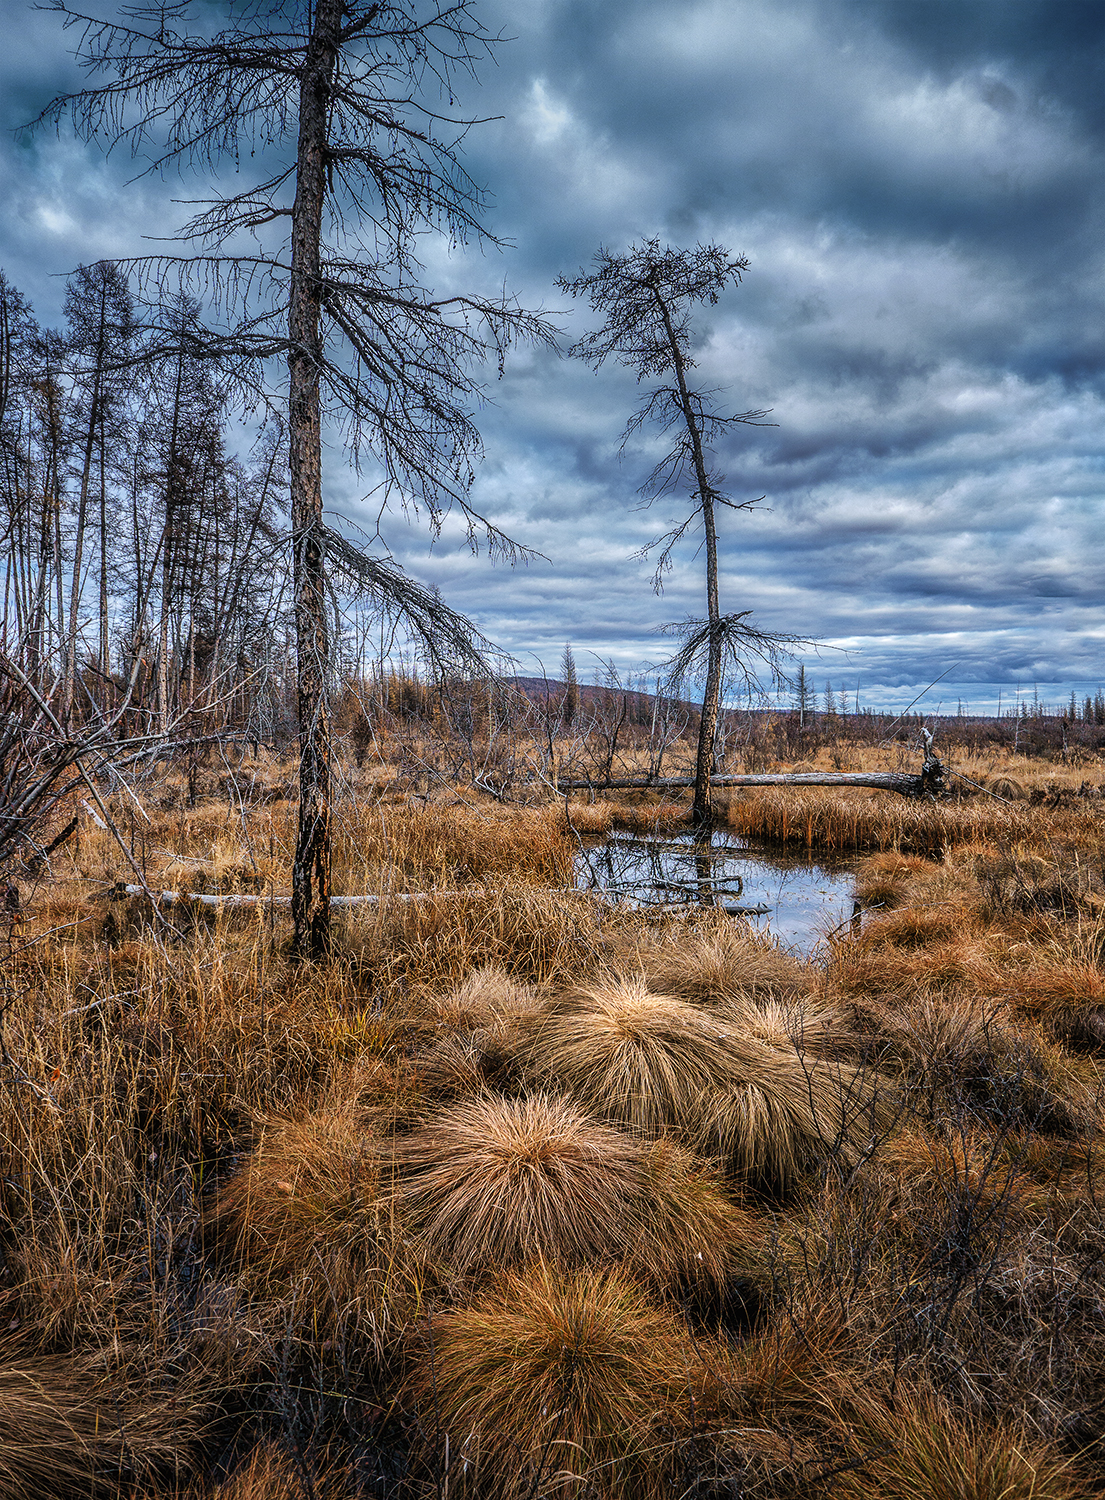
column 311, row 870
column 711, row 697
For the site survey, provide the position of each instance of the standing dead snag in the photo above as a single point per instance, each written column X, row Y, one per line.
column 316, row 265
column 646, row 296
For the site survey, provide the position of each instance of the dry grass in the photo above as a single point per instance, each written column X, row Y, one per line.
column 435, row 944
column 918, row 1448
column 553, row 1384
column 422, row 845
column 253, row 1217
column 723, row 964
column 843, row 822
column 493, row 1183
column 76, row 1425
column 304, row 1215
column 658, row 1065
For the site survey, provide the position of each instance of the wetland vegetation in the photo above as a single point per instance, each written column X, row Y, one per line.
column 528, row 1193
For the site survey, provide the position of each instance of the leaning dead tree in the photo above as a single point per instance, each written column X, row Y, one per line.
column 931, row 781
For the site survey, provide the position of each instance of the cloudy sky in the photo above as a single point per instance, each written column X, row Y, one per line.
column 918, row 185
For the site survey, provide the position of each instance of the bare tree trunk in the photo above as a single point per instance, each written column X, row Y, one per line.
column 78, row 562
column 311, row 870
column 105, row 649
column 711, row 697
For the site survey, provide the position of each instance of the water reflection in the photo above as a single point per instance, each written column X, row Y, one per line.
column 794, row 898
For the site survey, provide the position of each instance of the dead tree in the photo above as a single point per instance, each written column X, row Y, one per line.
column 930, row 782
column 335, row 98
column 645, row 297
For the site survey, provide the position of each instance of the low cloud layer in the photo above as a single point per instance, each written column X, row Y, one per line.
column 918, row 189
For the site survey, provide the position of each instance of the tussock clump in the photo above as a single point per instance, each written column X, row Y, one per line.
column 633, row 1056
column 919, row 926
column 493, row 1182
column 964, row 1053
column 1067, row 997
column 755, row 1410
column 921, row 1449
column 458, row 1064
column 955, row 1193
column 718, row 966
column 305, row 1208
column 660, row 1066
column 553, row 1383
column 270, row 1473
column 821, row 1029
column 882, row 879
column 435, row 943
column 480, row 999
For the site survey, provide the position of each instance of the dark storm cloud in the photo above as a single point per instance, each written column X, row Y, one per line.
column 918, row 188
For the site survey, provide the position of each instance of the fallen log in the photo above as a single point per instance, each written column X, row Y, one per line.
column 214, row 898
column 931, row 782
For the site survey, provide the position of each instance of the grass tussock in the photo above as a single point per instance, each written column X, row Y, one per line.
column 435, row 944
column 721, row 964
column 553, row 1383
column 918, row 1448
column 492, row 1183
column 658, row 1065
column 526, row 1194
column 303, row 1215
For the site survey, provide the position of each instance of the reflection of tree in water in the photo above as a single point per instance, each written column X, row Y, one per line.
column 663, row 871
column 804, row 900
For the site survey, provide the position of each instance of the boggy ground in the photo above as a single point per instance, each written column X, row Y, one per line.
column 524, row 1195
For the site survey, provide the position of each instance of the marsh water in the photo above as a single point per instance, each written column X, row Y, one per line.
column 798, row 900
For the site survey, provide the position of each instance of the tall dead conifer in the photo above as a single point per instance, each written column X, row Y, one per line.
column 333, row 97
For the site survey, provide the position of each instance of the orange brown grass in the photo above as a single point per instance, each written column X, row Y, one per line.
column 305, row 1209
column 553, row 1383
column 491, row 1183
column 719, row 965
column 919, row 1448
column 657, row 1065
column 855, row 821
